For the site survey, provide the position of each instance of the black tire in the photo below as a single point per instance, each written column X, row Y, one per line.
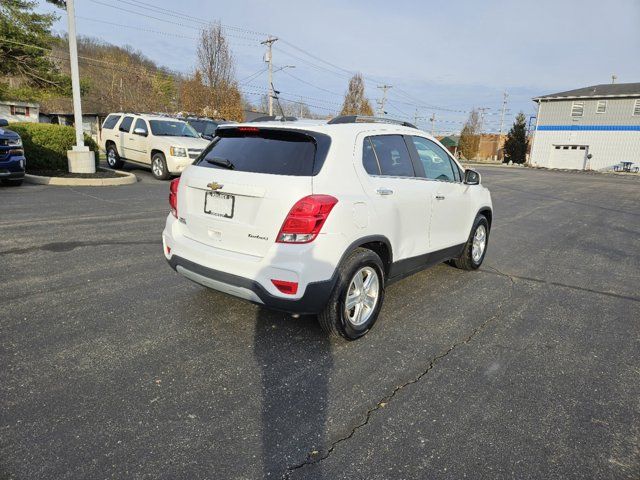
column 12, row 182
column 334, row 319
column 466, row 260
column 113, row 159
column 159, row 166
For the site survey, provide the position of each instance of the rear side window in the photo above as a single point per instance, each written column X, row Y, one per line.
column 111, row 121
column 204, row 127
column 248, row 149
column 390, row 154
column 125, row 125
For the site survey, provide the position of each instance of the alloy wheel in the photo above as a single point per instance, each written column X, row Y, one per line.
column 362, row 296
column 479, row 243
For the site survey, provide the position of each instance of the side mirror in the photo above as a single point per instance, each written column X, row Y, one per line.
column 471, row 177
column 140, row 131
column 4, row 122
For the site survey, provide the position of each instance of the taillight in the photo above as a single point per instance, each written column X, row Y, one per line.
column 173, row 196
column 305, row 219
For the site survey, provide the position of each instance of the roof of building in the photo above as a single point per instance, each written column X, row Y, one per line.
column 450, row 141
column 596, row 91
column 19, row 103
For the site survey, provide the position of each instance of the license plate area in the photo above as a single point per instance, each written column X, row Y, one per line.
column 219, row 204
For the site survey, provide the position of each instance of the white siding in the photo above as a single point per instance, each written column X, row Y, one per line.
column 608, row 148
column 5, row 112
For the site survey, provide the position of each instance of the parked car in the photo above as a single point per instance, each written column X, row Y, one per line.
column 318, row 218
column 168, row 145
column 206, row 127
column 12, row 159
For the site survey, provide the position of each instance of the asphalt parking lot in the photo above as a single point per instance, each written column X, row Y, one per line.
column 113, row 366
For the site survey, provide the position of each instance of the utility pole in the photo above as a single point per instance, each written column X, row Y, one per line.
column 268, row 57
column 433, row 121
column 383, row 100
column 482, row 111
column 80, row 158
column 415, row 117
column 505, row 95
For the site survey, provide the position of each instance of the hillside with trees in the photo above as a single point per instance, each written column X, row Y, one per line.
column 34, row 66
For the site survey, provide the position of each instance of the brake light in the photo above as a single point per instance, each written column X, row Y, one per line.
column 248, row 129
column 306, row 218
column 290, row 288
column 173, row 196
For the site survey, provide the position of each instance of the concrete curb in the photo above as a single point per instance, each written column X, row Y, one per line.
column 561, row 170
column 126, row 179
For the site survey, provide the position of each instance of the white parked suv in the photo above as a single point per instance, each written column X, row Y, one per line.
column 166, row 144
column 318, row 218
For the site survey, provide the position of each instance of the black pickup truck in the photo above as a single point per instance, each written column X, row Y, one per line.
column 12, row 160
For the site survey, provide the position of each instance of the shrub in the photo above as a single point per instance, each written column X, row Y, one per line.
column 46, row 144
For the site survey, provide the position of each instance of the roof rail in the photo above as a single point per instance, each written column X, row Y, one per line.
column 368, row 119
column 273, row 118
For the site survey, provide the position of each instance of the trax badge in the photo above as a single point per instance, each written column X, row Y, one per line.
column 214, row 186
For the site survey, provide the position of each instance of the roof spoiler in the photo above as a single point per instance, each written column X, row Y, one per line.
column 368, row 119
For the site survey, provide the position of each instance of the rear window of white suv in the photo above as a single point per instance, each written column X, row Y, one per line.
column 271, row 151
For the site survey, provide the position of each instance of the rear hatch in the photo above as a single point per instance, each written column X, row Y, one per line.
column 242, row 187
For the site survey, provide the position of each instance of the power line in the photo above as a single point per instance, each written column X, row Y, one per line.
column 170, row 34
column 172, row 22
column 195, row 19
column 252, row 76
column 173, row 13
column 312, row 85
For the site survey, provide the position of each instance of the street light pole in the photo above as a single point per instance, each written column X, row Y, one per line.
column 80, row 158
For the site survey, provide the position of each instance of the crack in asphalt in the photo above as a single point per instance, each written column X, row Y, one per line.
column 314, row 458
column 58, row 247
column 512, row 277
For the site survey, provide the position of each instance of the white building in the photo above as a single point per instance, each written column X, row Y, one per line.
column 592, row 128
column 15, row 111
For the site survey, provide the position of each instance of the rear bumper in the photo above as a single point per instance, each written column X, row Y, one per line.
column 313, row 300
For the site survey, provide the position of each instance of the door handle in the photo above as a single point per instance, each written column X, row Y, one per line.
column 439, row 197
column 384, row 191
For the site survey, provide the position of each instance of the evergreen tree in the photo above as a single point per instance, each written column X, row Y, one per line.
column 470, row 136
column 26, row 45
column 517, row 143
column 355, row 102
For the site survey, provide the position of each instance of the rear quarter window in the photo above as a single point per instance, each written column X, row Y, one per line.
column 275, row 152
column 110, row 121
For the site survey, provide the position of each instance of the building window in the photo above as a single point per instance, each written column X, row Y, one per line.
column 636, row 108
column 602, row 106
column 577, row 109
column 22, row 111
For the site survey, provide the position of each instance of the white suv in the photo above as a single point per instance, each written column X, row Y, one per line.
column 318, row 218
column 166, row 144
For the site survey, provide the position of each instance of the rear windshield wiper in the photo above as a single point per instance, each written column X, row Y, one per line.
column 221, row 162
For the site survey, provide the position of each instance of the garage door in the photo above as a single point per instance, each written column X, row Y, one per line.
column 571, row 157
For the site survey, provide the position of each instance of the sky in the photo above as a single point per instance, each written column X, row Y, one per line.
column 441, row 57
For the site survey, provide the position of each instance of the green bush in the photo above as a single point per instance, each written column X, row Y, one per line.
column 46, row 144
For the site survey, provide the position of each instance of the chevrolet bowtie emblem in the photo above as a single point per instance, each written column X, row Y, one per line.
column 214, row 186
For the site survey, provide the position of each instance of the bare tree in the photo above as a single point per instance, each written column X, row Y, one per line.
column 355, row 102
column 215, row 59
column 470, row 136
